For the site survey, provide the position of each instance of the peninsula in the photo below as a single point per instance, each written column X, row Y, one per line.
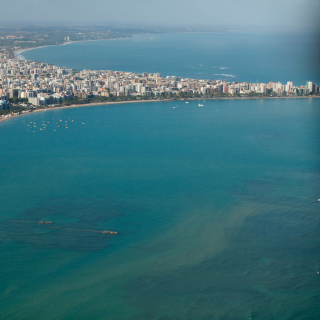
column 28, row 85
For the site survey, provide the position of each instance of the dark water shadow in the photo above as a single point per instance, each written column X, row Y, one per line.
column 76, row 224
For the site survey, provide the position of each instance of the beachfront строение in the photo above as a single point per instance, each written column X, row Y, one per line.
column 42, row 84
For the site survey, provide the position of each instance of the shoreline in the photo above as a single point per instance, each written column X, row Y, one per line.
column 18, row 52
column 93, row 104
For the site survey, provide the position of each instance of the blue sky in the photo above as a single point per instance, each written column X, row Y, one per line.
column 274, row 13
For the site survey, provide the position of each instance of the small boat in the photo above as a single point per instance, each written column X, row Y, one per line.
column 109, row 232
column 82, row 122
column 187, row 101
column 200, row 105
column 44, row 222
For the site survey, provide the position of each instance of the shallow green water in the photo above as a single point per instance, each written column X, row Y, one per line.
column 216, row 209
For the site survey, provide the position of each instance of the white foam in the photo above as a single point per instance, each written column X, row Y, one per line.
column 225, row 75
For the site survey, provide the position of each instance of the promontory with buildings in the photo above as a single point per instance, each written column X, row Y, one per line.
column 29, row 84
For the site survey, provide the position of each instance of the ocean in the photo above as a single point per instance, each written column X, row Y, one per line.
column 231, row 56
column 216, row 208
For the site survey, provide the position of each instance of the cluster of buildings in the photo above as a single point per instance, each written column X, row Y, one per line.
column 43, row 84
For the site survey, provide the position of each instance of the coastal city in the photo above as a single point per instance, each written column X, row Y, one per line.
column 30, row 84
column 160, row 160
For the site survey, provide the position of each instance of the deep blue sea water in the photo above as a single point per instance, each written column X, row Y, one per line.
column 216, row 207
column 232, row 56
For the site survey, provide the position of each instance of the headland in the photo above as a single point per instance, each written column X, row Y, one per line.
column 30, row 85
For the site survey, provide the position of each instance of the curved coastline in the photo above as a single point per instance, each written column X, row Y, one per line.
column 2, row 119
column 18, row 53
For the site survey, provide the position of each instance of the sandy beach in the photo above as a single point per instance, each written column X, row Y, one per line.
column 18, row 53
column 77, row 106
column 2, row 119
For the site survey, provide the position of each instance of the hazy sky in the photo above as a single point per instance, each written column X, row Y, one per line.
column 295, row 13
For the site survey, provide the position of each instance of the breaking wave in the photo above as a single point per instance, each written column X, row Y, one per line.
column 225, row 75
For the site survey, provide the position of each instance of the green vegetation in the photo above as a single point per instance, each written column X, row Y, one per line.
column 94, row 99
column 18, row 100
column 13, row 109
column 16, row 107
column 16, row 38
column 19, row 38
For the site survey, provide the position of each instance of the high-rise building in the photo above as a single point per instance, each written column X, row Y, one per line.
column 4, row 105
column 270, row 85
column 14, row 93
column 310, row 86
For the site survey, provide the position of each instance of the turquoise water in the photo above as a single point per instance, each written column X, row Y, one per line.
column 216, row 209
column 232, row 56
